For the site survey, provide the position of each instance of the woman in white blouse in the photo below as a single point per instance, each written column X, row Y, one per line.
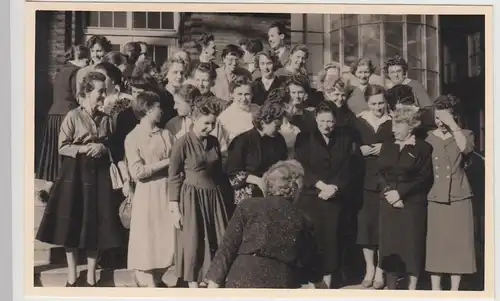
column 237, row 118
column 152, row 233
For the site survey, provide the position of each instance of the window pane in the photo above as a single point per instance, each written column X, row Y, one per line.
column 160, row 54
column 154, row 21
column 139, row 20
column 349, row 20
column 335, row 21
column 415, row 46
column 351, row 42
column 115, row 47
column 167, row 20
column 335, row 47
column 416, row 74
column 370, row 37
column 431, row 20
column 432, row 84
column 120, row 19
column 414, row 18
column 297, row 37
column 393, row 39
column 106, row 19
column 314, row 22
column 432, row 49
column 315, row 63
column 369, row 18
column 93, row 19
column 296, row 22
column 314, row 38
column 392, row 18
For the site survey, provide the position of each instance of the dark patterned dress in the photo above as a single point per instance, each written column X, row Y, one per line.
column 252, row 153
column 269, row 243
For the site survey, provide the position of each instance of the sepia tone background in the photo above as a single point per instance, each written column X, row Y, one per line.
column 445, row 52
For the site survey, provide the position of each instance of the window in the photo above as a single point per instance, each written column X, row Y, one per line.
column 153, row 20
column 474, row 54
column 379, row 37
column 153, row 24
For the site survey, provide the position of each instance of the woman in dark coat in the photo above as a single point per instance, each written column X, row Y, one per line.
column 269, row 242
column 327, row 156
column 82, row 211
column 267, row 63
column 251, row 153
column 64, row 101
column 374, row 126
column 405, row 175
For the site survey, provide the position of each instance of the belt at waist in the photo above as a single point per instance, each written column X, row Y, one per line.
column 200, row 180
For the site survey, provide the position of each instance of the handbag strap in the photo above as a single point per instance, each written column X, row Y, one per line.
column 110, row 156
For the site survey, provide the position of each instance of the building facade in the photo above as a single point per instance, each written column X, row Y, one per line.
column 442, row 53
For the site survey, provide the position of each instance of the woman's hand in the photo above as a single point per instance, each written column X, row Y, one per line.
column 126, row 189
column 96, row 150
column 366, row 150
column 251, row 179
column 376, row 149
column 446, row 118
column 328, row 192
column 392, row 196
column 176, row 214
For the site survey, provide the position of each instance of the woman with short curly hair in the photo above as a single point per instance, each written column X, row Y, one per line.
column 98, row 46
column 251, row 153
column 396, row 68
column 269, row 243
column 450, row 224
column 405, row 175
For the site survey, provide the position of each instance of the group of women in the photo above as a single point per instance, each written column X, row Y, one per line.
column 240, row 175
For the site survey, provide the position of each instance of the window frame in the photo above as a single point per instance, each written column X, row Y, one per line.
column 131, row 31
column 472, row 54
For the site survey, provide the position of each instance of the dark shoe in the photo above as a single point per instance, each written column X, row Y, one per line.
column 71, row 284
column 161, row 284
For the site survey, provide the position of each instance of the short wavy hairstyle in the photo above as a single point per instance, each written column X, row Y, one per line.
column 325, row 107
column 279, row 96
column 449, row 102
column 145, row 101
column 271, row 56
column 396, row 60
column 362, row 62
column 204, row 41
column 300, row 47
column 143, row 82
column 206, row 68
column 254, row 46
column 239, row 81
column 298, row 79
column 111, row 71
column 233, row 50
column 205, row 106
column 400, row 95
column 284, row 178
column 146, row 66
column 267, row 113
column 101, row 40
column 323, row 73
column 87, row 84
column 335, row 84
column 372, row 90
column 407, row 114
column 169, row 63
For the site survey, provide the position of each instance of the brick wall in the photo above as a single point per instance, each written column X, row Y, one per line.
column 54, row 33
column 227, row 28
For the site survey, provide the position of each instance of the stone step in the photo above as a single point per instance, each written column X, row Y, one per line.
column 56, row 276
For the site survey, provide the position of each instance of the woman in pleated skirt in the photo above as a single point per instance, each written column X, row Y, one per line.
column 82, row 210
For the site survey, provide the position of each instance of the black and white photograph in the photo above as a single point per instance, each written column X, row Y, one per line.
column 212, row 150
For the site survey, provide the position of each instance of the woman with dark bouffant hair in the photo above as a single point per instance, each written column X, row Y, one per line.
column 269, row 243
column 251, row 153
column 201, row 201
column 396, row 69
column 64, row 101
column 98, row 46
column 267, row 63
column 450, row 220
column 82, row 208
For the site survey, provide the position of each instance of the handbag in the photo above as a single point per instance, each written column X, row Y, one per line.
column 115, row 174
column 125, row 211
